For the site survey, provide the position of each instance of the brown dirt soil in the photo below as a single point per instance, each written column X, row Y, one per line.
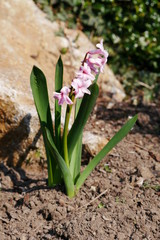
column 119, row 202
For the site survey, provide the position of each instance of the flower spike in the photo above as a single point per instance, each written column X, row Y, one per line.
column 91, row 65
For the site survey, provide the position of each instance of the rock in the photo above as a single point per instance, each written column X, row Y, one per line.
column 7, row 183
column 121, row 236
column 143, row 119
column 70, row 208
column 93, row 143
column 139, row 182
column 24, row 237
column 30, row 39
column 145, row 172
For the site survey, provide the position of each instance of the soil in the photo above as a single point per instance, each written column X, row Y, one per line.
column 119, row 200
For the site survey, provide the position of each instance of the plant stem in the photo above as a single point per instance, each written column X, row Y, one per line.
column 65, row 132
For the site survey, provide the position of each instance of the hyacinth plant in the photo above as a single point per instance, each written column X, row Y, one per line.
column 63, row 151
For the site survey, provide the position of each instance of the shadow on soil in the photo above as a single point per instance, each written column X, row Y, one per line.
column 148, row 117
column 23, row 184
column 13, row 143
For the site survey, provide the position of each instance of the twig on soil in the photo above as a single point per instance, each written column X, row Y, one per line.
column 6, row 221
column 151, row 154
column 137, row 145
column 92, row 200
column 40, row 225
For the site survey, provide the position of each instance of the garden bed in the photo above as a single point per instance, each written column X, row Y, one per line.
column 118, row 201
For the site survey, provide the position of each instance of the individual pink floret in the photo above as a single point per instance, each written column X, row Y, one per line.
column 100, row 46
column 85, row 73
column 102, row 52
column 81, row 87
column 63, row 96
column 95, row 62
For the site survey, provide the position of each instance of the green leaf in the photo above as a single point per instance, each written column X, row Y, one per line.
column 112, row 143
column 107, row 168
column 96, row 78
column 64, row 169
column 101, row 205
column 58, row 86
column 75, row 163
column 40, row 95
column 86, row 107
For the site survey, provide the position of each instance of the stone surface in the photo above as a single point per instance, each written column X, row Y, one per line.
column 27, row 39
column 93, row 142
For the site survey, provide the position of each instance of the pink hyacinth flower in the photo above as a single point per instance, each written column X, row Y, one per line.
column 85, row 73
column 95, row 62
column 100, row 46
column 80, row 87
column 63, row 96
column 100, row 51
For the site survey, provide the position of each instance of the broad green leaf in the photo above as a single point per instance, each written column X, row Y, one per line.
column 75, row 163
column 112, row 143
column 40, row 95
column 86, row 107
column 64, row 169
column 77, row 107
column 58, row 86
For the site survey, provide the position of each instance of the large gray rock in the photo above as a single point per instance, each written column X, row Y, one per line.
column 27, row 39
